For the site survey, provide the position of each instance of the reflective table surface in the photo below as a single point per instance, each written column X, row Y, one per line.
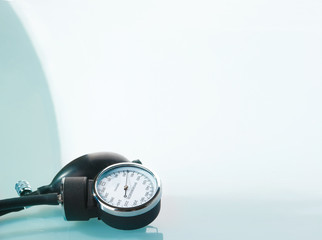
column 181, row 218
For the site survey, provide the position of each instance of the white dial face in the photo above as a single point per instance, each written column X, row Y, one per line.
column 126, row 186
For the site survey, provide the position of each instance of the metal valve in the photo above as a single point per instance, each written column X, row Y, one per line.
column 23, row 188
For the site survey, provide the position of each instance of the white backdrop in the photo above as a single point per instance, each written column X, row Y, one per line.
column 218, row 97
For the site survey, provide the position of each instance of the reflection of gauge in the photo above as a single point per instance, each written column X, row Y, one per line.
column 127, row 193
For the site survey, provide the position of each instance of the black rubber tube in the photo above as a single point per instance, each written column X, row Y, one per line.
column 25, row 201
column 11, row 210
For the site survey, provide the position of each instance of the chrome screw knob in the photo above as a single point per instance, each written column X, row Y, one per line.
column 23, row 188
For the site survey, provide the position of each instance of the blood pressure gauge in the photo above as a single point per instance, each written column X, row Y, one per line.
column 127, row 194
column 123, row 194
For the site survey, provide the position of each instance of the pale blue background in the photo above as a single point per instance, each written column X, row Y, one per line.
column 221, row 98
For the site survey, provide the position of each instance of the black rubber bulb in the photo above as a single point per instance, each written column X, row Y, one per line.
column 88, row 165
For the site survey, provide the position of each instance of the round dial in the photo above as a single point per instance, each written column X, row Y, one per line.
column 126, row 186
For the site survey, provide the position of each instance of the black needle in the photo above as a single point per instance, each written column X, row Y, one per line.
column 126, row 186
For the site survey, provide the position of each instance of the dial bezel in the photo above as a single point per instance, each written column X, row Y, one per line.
column 131, row 211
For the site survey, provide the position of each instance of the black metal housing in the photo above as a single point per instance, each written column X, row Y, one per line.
column 129, row 223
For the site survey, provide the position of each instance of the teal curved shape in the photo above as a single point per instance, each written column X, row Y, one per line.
column 29, row 139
